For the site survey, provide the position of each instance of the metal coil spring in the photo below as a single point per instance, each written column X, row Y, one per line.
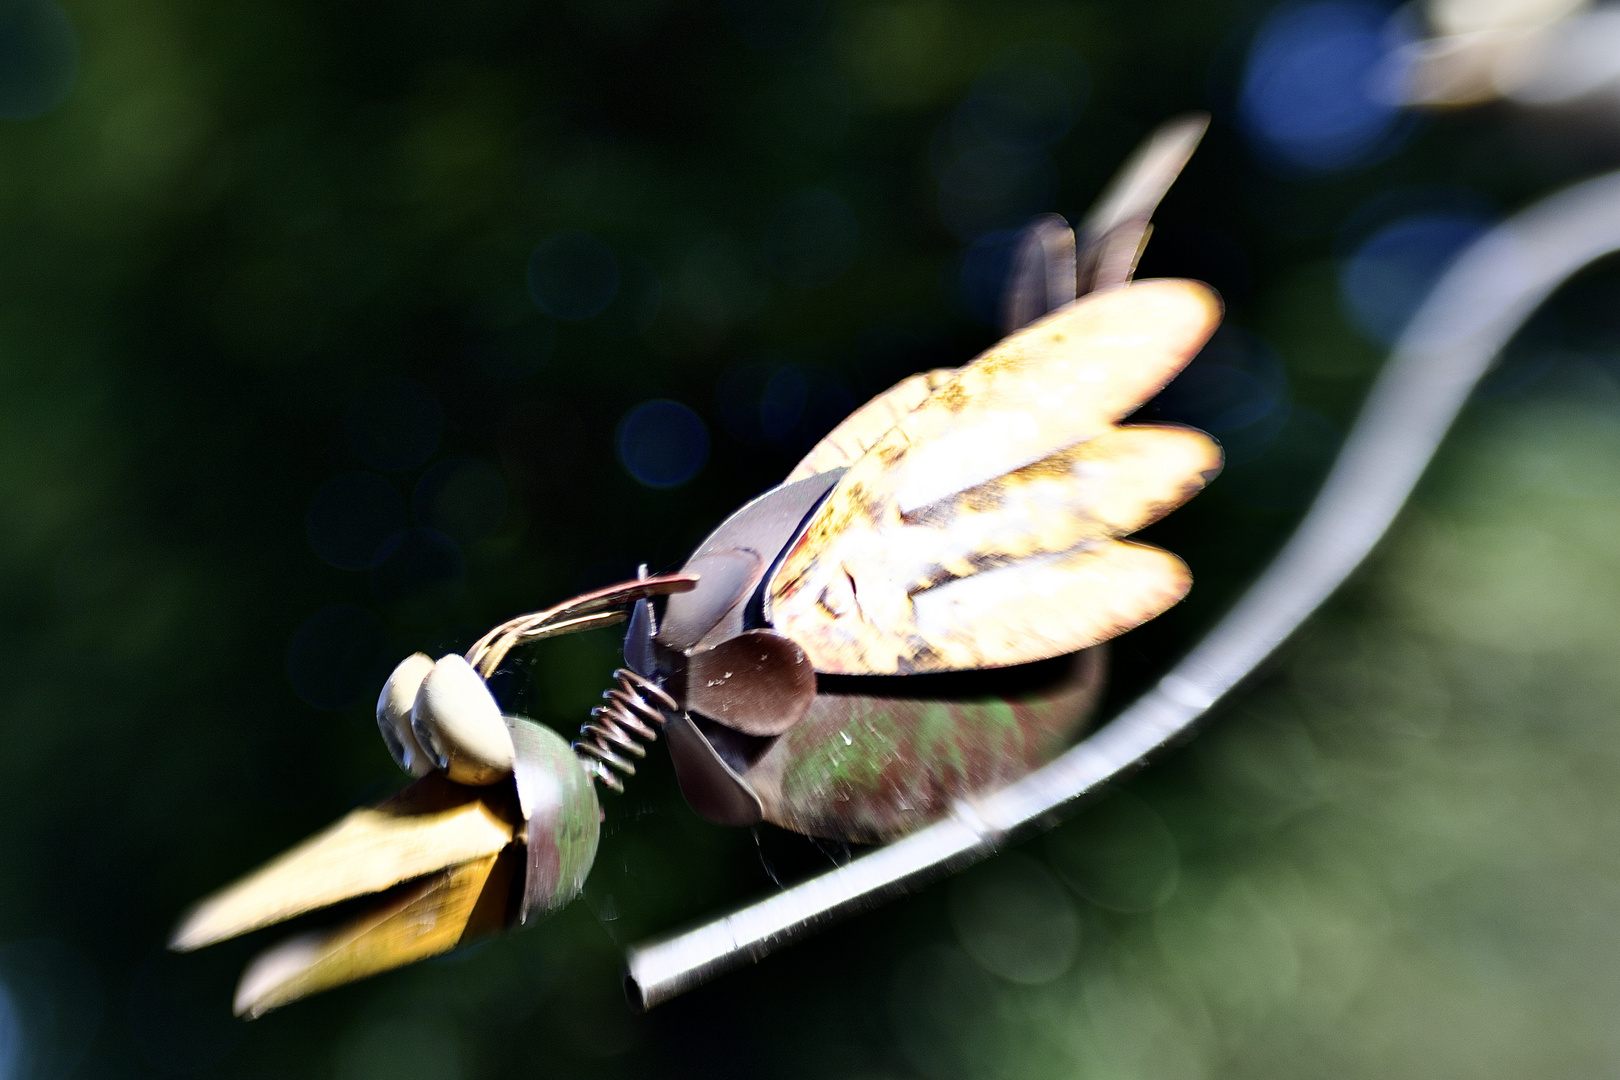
column 617, row 726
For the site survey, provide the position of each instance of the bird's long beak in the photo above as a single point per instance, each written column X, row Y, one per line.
column 438, row 857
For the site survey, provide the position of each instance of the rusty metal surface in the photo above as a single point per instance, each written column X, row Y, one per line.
column 583, row 612
column 640, row 655
column 634, row 713
column 768, row 521
column 708, row 782
column 759, row 683
column 878, row 757
column 732, row 560
column 563, row 819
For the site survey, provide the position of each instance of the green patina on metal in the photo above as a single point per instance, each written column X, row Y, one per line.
column 933, row 737
column 577, row 833
column 854, row 753
column 876, row 757
column 936, row 736
column 1000, row 715
column 565, row 816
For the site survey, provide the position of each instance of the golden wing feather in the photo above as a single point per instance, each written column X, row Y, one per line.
column 843, row 445
column 1014, row 460
column 1115, row 231
column 1047, row 606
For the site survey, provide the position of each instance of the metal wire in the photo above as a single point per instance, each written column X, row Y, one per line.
column 623, row 724
column 1478, row 305
column 584, row 612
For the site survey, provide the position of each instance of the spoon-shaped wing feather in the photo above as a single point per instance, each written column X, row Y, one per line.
column 1017, row 456
column 1116, row 229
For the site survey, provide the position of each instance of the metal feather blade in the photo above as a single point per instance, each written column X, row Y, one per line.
column 431, row 825
column 425, row 919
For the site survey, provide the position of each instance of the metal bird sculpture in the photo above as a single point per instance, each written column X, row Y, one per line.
column 916, row 614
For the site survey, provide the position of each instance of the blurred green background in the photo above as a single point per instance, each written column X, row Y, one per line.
column 325, row 332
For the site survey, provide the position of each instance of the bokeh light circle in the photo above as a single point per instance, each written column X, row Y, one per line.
column 1118, row 854
column 464, row 498
column 180, row 1019
column 812, row 238
column 351, row 517
column 663, row 444
column 1028, row 97
column 1236, row 389
column 11, row 1036
column 1218, row 398
column 39, row 58
column 991, row 157
column 1020, row 106
column 768, row 400
column 782, row 402
column 573, row 276
column 1286, row 476
column 395, row 424
column 1391, row 273
column 51, row 1001
column 983, row 273
column 400, row 1049
column 773, row 24
column 417, row 562
column 990, row 173
column 1310, row 97
column 336, row 656
column 1014, row 919
column 939, row 1002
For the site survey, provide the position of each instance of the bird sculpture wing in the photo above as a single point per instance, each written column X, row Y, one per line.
column 984, row 527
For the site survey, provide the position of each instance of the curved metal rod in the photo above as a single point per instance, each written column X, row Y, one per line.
column 583, row 612
column 1476, row 307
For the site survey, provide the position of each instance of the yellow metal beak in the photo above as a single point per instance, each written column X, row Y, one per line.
column 437, row 853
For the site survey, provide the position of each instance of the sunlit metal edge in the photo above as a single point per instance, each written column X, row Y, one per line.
column 1475, row 308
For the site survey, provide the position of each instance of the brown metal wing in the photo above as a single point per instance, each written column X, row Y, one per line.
column 982, row 529
column 1116, row 229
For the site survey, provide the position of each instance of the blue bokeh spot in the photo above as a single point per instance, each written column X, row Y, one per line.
column 464, row 498
column 1391, row 273
column 1310, row 97
column 395, row 424
column 336, row 656
column 573, row 276
column 351, row 517
column 39, row 58
column 663, row 444
column 418, row 562
column 11, row 1037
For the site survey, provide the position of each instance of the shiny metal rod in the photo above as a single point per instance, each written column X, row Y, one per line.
column 1477, row 306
